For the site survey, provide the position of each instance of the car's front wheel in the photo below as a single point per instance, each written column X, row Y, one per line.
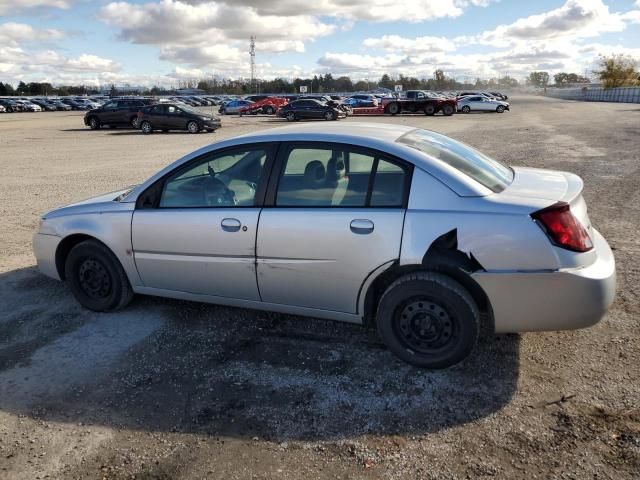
column 193, row 127
column 269, row 110
column 96, row 278
column 291, row 116
column 429, row 110
column 500, row 109
column 466, row 109
column 428, row 320
column 146, row 128
column 330, row 116
column 135, row 122
column 448, row 110
column 94, row 123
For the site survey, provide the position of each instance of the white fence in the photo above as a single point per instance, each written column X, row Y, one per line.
column 586, row 94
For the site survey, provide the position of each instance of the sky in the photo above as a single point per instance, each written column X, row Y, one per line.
column 164, row 42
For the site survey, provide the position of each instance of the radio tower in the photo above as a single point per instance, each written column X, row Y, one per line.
column 252, row 52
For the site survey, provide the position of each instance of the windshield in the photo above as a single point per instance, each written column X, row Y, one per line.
column 484, row 170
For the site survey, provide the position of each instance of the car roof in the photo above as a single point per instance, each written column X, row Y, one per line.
column 378, row 136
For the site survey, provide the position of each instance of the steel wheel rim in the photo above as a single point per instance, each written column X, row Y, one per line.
column 193, row 128
column 424, row 326
column 94, row 278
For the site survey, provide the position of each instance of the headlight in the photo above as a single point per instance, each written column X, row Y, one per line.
column 205, row 118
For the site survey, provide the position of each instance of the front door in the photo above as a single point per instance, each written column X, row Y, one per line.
column 336, row 214
column 195, row 230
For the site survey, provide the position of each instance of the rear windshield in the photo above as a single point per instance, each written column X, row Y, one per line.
column 484, row 170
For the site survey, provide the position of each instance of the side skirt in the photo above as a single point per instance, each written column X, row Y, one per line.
column 251, row 304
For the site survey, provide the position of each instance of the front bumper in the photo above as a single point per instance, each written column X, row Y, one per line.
column 44, row 249
column 212, row 124
column 565, row 299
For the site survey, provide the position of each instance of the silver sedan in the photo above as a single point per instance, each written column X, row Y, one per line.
column 472, row 103
column 399, row 228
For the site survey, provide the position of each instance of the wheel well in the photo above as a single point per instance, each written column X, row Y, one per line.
column 444, row 257
column 65, row 246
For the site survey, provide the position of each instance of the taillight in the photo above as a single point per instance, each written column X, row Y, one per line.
column 563, row 228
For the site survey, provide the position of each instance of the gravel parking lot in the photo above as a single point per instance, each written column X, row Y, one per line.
column 176, row 390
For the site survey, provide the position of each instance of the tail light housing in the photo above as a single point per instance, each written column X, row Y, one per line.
column 563, row 228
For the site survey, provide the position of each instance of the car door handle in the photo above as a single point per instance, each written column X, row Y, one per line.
column 230, row 224
column 361, row 226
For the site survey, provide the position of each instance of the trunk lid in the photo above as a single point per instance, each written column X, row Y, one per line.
column 552, row 186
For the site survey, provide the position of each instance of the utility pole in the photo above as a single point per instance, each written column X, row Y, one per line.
column 252, row 53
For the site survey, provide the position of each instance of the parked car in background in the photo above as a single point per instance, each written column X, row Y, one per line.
column 331, row 101
column 362, row 100
column 307, row 109
column 233, row 106
column 117, row 113
column 173, row 116
column 481, row 103
column 61, row 105
column 498, row 95
column 27, row 106
column 45, row 105
column 267, row 106
column 75, row 105
column 11, row 106
column 400, row 228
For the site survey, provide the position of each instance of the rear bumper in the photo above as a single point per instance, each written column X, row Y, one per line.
column 561, row 300
column 44, row 249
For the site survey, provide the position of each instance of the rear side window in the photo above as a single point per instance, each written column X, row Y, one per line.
column 483, row 169
column 337, row 176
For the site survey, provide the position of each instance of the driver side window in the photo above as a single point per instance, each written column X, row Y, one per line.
column 228, row 179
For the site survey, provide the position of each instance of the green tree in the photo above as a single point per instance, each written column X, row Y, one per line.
column 440, row 79
column 618, row 71
column 538, row 79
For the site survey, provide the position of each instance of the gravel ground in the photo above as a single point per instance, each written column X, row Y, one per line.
column 178, row 390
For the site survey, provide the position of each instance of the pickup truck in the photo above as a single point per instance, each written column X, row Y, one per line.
column 419, row 101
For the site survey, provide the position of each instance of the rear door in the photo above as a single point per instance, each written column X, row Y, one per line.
column 195, row 230
column 334, row 213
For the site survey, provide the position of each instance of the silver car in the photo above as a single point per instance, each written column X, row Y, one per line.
column 387, row 225
column 481, row 103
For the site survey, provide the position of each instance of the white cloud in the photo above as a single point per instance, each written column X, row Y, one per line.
column 395, row 43
column 575, row 19
column 14, row 33
column 368, row 10
column 8, row 7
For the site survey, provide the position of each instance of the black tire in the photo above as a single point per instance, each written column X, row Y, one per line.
column 393, row 108
column 134, row 122
column 428, row 320
column 94, row 123
column 429, row 110
column 291, row 117
column 96, row 278
column 330, row 116
column 500, row 109
column 193, row 127
column 165, row 130
column 269, row 110
column 466, row 109
column 448, row 110
column 146, row 127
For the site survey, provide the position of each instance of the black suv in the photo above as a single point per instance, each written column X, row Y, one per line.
column 117, row 113
column 171, row 116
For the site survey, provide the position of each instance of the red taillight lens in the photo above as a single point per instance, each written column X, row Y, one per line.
column 563, row 228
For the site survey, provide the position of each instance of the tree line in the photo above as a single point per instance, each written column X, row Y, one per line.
column 615, row 71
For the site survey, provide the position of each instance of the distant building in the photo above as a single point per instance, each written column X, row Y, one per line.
column 190, row 91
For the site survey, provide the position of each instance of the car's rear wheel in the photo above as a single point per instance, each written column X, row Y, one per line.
column 393, row 108
column 429, row 110
column 146, row 127
column 94, row 123
column 135, row 122
column 269, row 110
column 428, row 320
column 448, row 110
column 466, row 109
column 500, row 109
column 291, row 117
column 96, row 278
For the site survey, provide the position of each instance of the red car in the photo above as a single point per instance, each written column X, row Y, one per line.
column 268, row 105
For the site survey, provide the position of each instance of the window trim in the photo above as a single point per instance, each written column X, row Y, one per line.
column 286, row 147
column 158, row 186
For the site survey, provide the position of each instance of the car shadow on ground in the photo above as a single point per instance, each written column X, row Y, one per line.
column 164, row 365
